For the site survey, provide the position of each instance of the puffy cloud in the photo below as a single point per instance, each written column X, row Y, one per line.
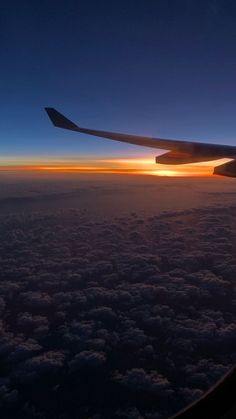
column 90, row 358
column 27, row 320
column 36, row 366
column 139, row 380
column 8, row 396
column 35, row 300
column 24, row 350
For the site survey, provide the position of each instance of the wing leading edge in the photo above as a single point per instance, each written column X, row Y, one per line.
column 180, row 152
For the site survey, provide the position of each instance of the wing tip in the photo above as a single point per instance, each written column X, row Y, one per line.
column 60, row 120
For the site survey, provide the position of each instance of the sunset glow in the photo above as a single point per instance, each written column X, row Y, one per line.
column 129, row 166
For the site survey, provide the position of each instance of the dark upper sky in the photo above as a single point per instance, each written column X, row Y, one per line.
column 164, row 68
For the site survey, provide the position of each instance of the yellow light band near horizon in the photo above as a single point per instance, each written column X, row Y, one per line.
column 129, row 166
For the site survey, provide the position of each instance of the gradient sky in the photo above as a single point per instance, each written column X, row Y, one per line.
column 159, row 68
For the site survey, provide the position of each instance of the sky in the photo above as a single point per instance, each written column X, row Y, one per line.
column 159, row 68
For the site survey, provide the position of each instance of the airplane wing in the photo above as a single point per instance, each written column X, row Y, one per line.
column 180, row 152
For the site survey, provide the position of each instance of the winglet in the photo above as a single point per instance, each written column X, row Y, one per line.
column 60, row 120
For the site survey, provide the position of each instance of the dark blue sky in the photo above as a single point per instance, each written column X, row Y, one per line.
column 161, row 68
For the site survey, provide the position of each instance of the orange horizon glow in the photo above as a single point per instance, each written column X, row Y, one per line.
column 129, row 166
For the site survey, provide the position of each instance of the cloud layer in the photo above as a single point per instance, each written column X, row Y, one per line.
column 132, row 317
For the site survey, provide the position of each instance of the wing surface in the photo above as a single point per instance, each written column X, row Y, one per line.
column 180, row 151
